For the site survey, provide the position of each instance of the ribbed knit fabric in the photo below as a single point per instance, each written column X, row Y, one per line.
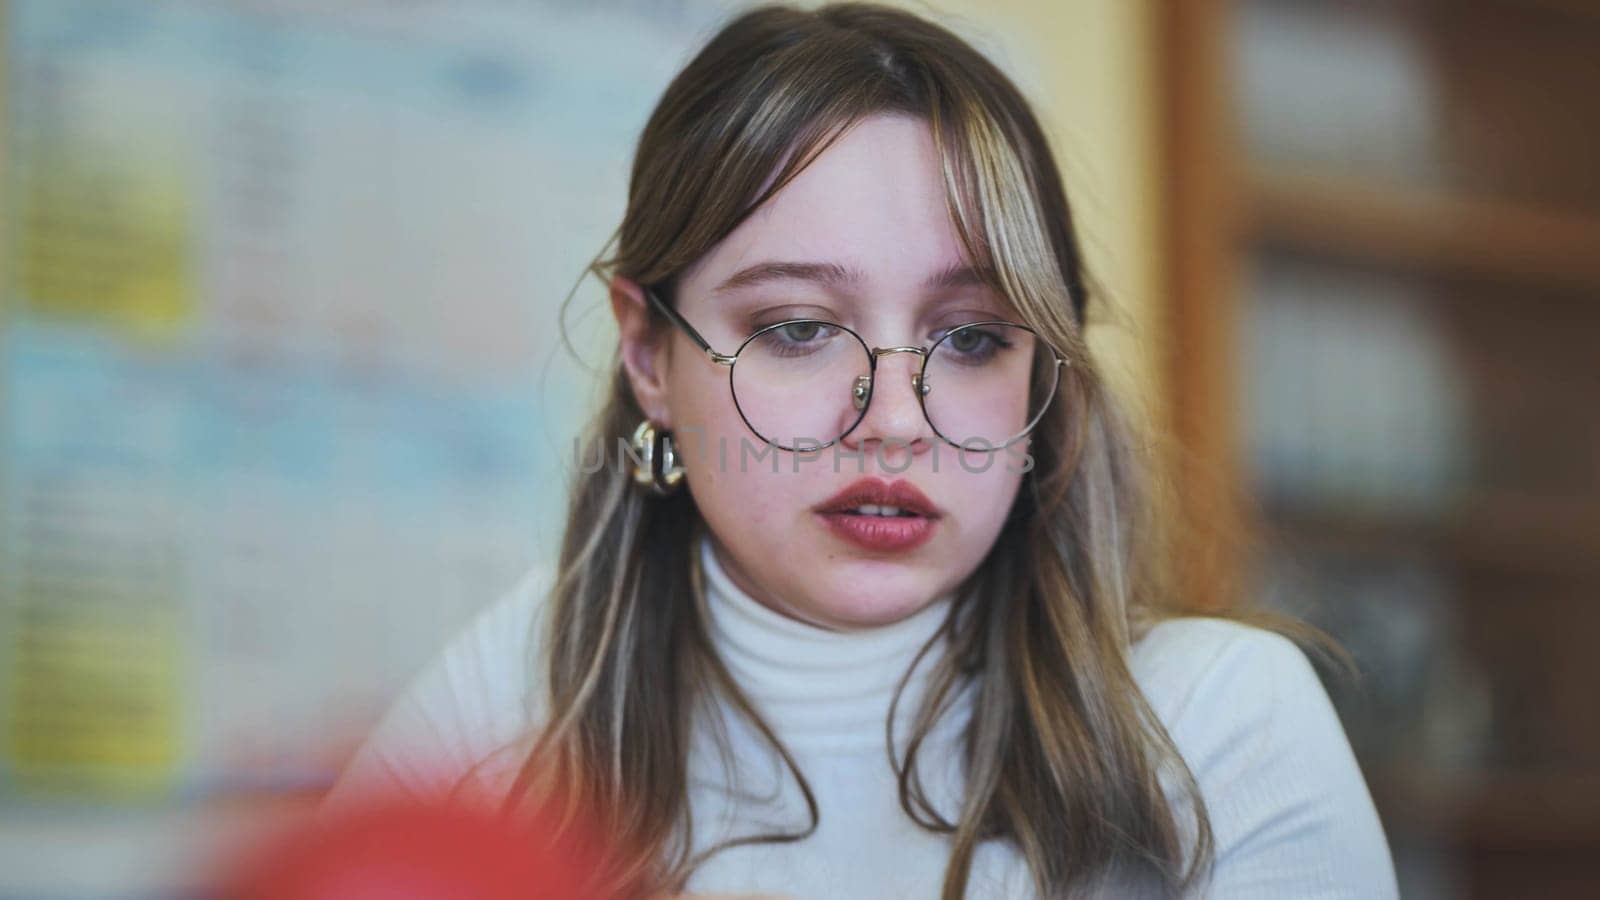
column 1289, row 810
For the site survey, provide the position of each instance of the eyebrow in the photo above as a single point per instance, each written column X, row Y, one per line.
column 833, row 275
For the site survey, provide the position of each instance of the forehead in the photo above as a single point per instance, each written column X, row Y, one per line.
column 873, row 202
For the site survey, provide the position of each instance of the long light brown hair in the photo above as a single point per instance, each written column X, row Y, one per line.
column 1064, row 757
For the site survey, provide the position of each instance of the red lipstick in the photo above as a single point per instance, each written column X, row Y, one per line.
column 880, row 516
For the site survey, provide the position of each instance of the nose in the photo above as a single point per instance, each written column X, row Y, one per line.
column 893, row 402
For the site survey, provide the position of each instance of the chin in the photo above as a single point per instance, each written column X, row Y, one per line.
column 858, row 606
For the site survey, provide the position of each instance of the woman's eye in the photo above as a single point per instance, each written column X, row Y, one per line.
column 968, row 340
column 800, row 332
column 976, row 344
column 798, row 338
column 963, row 340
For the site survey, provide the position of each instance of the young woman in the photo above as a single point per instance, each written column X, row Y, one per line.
column 881, row 619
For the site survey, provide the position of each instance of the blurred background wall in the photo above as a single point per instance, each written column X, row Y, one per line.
column 285, row 397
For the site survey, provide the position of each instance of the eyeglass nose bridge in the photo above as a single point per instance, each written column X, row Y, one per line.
column 862, row 391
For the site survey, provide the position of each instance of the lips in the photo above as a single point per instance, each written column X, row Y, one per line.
column 880, row 516
column 876, row 492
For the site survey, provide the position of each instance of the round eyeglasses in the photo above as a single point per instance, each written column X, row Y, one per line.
column 804, row 384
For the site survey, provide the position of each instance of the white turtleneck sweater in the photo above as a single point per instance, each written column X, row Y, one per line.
column 1290, row 813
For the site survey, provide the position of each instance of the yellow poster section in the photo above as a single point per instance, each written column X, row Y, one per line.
column 104, row 236
column 95, row 705
column 93, row 636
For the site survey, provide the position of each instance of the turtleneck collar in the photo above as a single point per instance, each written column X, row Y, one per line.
column 814, row 686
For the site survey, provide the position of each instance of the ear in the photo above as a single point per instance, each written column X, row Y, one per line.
column 644, row 348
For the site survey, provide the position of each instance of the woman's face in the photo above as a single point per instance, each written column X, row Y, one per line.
column 873, row 204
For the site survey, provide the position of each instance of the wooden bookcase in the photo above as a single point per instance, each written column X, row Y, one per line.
column 1383, row 228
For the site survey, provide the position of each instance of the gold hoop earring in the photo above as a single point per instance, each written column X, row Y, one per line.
column 655, row 461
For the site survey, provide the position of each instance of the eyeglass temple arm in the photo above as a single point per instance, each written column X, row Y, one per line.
column 677, row 319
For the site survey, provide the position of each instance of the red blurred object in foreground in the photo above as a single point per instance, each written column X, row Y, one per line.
column 413, row 852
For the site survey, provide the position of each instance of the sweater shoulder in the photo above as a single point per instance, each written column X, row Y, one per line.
column 1178, row 659
column 1222, row 687
column 1289, row 808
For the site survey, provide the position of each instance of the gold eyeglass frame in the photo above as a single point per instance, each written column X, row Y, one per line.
column 861, row 391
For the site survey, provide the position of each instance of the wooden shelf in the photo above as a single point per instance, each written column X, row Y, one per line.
column 1578, row 12
column 1508, row 533
column 1370, row 222
column 1508, row 242
column 1490, row 810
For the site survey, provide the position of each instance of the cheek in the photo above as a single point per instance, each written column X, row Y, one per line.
column 706, row 424
column 756, row 512
column 981, row 494
column 730, row 471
